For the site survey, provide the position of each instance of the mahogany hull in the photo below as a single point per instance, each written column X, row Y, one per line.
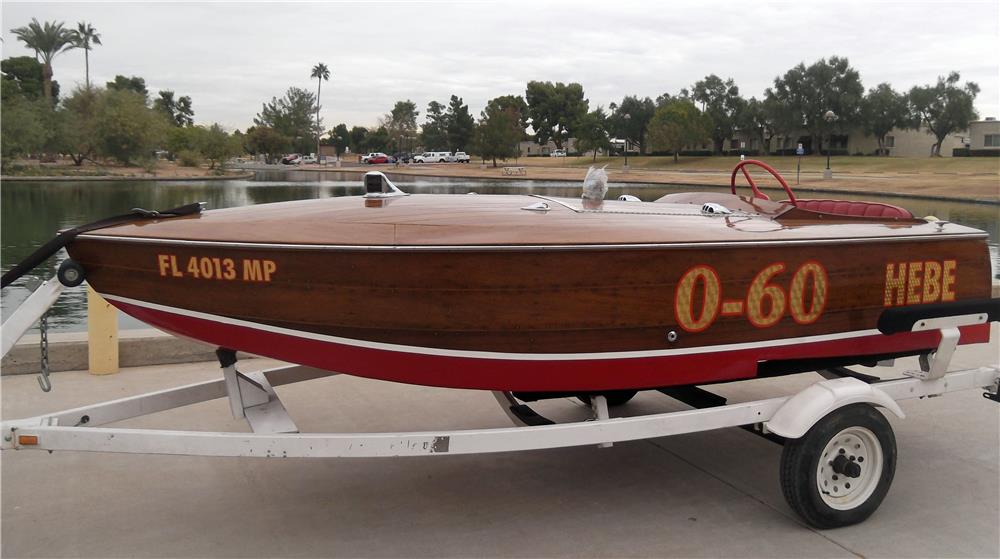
column 541, row 318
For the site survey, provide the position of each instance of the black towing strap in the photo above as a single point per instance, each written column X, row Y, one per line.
column 64, row 237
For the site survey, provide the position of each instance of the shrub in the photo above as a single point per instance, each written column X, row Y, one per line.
column 148, row 164
column 189, row 158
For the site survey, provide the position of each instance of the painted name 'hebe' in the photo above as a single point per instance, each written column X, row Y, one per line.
column 922, row 281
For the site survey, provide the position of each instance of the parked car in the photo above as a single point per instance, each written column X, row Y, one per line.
column 377, row 158
column 403, row 157
column 461, row 157
column 433, row 157
column 557, row 153
column 373, row 154
column 291, row 159
column 308, row 160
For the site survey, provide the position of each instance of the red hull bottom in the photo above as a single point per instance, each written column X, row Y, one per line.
column 534, row 373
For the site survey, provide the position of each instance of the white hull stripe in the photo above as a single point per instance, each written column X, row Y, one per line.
column 595, row 246
column 469, row 354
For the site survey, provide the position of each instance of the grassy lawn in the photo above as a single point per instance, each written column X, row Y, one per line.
column 786, row 164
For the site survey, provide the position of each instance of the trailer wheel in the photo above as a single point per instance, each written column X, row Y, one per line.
column 614, row 397
column 71, row 273
column 838, row 473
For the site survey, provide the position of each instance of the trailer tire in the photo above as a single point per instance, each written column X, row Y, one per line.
column 614, row 397
column 71, row 273
column 856, row 446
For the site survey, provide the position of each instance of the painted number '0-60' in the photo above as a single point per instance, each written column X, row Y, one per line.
column 764, row 303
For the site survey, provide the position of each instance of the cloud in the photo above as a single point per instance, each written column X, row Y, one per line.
column 232, row 57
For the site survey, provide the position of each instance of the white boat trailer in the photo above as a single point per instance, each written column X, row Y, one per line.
column 835, row 418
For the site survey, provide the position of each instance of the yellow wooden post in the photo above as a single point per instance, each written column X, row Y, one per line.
column 102, row 334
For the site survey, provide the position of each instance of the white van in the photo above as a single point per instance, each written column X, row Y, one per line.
column 433, row 157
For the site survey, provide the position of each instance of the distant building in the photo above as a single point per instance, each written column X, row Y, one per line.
column 530, row 148
column 984, row 135
column 898, row 142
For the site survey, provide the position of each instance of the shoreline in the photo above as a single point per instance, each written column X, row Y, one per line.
column 647, row 179
column 86, row 178
column 850, row 183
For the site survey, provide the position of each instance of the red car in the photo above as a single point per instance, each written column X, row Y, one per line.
column 378, row 159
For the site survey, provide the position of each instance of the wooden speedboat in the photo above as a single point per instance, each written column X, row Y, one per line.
column 537, row 294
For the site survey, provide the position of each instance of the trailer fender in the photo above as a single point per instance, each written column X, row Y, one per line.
column 800, row 412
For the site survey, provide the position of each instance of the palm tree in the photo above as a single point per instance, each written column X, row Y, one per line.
column 320, row 72
column 47, row 41
column 84, row 37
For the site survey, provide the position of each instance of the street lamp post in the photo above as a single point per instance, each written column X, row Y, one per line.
column 830, row 117
column 627, row 118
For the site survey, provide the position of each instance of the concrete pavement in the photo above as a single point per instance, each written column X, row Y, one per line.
column 707, row 495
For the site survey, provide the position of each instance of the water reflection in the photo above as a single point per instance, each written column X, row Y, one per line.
column 32, row 212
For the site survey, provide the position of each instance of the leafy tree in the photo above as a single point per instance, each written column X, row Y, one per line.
column 807, row 93
column 515, row 102
column 434, row 133
column 85, row 37
column 291, row 116
column 500, row 128
column 639, row 111
column 757, row 118
column 47, row 40
column 217, row 145
column 721, row 102
column 22, row 75
column 185, row 138
column 882, row 110
column 266, row 141
column 358, row 138
column 377, row 140
column 554, row 109
column 78, row 133
column 126, row 128
column 22, row 127
column 400, row 123
column 321, row 73
column 135, row 84
column 340, row 138
column 179, row 112
column 945, row 107
column 592, row 132
column 676, row 125
column 461, row 125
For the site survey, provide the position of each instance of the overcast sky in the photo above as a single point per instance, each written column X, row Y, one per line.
column 231, row 57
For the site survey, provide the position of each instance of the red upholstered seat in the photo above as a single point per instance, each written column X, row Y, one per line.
column 860, row 209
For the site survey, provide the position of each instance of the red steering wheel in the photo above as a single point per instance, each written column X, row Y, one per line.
column 753, row 186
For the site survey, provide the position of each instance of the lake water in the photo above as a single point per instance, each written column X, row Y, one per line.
column 32, row 212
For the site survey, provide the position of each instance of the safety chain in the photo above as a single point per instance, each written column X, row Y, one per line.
column 43, row 327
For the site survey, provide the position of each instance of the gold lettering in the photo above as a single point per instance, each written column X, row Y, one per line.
column 895, row 282
column 796, row 295
column 252, row 270
column 684, row 299
column 932, row 281
column 230, row 267
column 269, row 268
column 761, row 291
column 913, row 283
column 164, row 261
column 948, row 281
